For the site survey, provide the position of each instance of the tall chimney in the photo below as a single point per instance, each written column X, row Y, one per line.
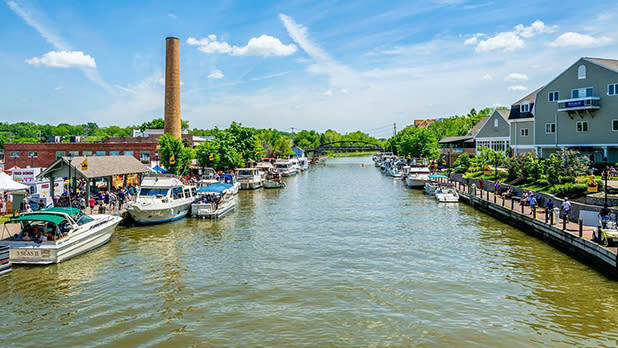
column 172, row 88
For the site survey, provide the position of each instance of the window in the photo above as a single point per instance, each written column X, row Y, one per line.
column 524, row 132
column 581, row 92
column 114, row 153
column 614, row 125
column 550, row 128
column 581, row 72
column 144, row 156
column 553, row 96
column 87, row 153
column 581, row 126
column 612, row 89
column 524, row 108
column 496, row 123
column 14, row 154
column 60, row 154
column 100, row 153
column 74, row 153
column 128, row 153
column 33, row 154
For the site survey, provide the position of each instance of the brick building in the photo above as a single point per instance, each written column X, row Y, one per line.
column 43, row 155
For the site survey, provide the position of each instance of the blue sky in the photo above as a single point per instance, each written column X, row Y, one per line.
column 315, row 65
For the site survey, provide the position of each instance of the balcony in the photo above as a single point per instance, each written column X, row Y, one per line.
column 576, row 104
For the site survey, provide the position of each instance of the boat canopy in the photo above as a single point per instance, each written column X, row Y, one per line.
column 215, row 188
column 55, row 219
column 227, row 177
column 437, row 176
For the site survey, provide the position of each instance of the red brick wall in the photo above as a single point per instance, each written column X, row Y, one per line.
column 46, row 153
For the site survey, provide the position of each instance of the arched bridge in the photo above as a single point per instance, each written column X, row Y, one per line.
column 346, row 146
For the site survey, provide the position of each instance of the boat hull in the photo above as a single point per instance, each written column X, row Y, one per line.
column 269, row 184
column 415, row 183
column 253, row 185
column 146, row 215
column 64, row 249
column 5, row 262
column 206, row 210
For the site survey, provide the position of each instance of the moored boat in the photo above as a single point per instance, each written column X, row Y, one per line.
column 5, row 263
column 249, row 178
column 214, row 201
column 56, row 234
column 446, row 193
column 161, row 199
column 433, row 184
column 285, row 167
column 417, row 173
column 273, row 180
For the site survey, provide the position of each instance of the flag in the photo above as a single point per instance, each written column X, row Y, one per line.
column 84, row 164
column 172, row 159
column 211, row 157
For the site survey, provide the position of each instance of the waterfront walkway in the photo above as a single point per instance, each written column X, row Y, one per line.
column 516, row 206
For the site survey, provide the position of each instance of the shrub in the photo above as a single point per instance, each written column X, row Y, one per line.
column 568, row 190
column 565, row 179
column 542, row 182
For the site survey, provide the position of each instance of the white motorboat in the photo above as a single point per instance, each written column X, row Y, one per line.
column 293, row 159
column 214, row 201
column 161, row 199
column 273, row 180
column 303, row 163
column 395, row 168
column 285, row 167
column 55, row 235
column 5, row 263
column 249, row 178
column 229, row 179
column 447, row 194
column 433, row 184
column 209, row 177
column 417, row 173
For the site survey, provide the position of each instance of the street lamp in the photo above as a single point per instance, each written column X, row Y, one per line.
column 496, row 166
column 606, row 175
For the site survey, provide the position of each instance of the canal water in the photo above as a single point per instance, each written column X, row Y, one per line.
column 344, row 256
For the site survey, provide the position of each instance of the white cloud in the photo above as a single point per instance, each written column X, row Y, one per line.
column 59, row 87
column 64, row 59
column 264, row 46
column 509, row 41
column 172, row 16
column 518, row 88
column 487, row 77
column 577, row 40
column 505, row 41
column 516, row 77
column 216, row 74
column 538, row 27
column 327, row 93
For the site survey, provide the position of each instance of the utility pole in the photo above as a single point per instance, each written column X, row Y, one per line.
column 394, row 129
column 292, row 128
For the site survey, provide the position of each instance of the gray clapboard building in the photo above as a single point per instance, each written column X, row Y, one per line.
column 521, row 118
column 579, row 110
column 494, row 133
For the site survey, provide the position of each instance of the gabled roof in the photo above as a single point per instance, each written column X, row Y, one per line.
column 611, row 64
column 448, row 140
column 477, row 127
column 530, row 98
column 504, row 113
column 97, row 166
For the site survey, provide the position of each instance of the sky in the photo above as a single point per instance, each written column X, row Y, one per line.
column 343, row 65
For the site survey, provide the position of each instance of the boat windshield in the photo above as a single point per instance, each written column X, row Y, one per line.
column 245, row 172
column 281, row 166
column 148, row 191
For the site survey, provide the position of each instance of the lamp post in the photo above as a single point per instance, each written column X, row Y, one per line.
column 496, row 166
column 606, row 175
column 70, row 158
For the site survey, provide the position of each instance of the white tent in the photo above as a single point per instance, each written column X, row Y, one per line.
column 8, row 184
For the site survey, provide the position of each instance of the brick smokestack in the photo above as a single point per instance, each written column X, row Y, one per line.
column 172, row 88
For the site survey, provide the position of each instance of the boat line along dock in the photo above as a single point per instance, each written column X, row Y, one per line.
column 569, row 237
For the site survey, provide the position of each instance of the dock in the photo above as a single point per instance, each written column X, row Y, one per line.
column 570, row 237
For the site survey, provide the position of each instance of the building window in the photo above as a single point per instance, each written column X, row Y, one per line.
column 144, row 156
column 581, row 126
column 550, row 128
column 524, row 108
column 60, row 154
column 100, row 153
column 581, row 92
column 615, row 125
column 524, row 132
column 128, row 153
column 33, row 154
column 496, row 123
column 114, row 153
column 581, row 72
column 87, row 153
column 14, row 154
column 74, row 153
column 612, row 89
column 553, row 96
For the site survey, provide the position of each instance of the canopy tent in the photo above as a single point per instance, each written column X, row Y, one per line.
column 437, row 176
column 10, row 170
column 8, row 184
column 215, row 188
column 159, row 169
column 55, row 219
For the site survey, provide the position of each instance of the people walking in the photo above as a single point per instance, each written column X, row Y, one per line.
column 532, row 203
column 566, row 208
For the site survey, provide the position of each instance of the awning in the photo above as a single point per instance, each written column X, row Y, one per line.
column 8, row 184
column 215, row 188
column 159, row 169
column 55, row 219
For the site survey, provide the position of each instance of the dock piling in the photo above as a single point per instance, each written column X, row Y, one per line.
column 581, row 228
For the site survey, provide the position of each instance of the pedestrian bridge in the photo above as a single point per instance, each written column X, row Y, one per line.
column 345, row 146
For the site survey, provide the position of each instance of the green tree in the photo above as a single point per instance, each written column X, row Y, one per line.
column 307, row 139
column 207, row 154
column 417, row 142
column 462, row 163
column 174, row 156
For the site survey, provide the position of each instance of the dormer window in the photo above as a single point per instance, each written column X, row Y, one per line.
column 581, row 72
column 523, row 108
